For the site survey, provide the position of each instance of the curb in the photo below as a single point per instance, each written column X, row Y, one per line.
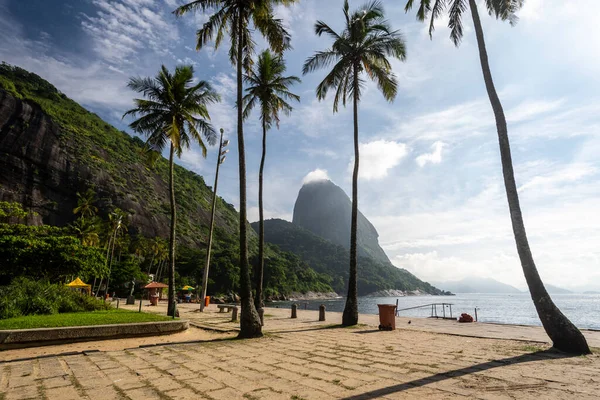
column 213, row 328
column 21, row 338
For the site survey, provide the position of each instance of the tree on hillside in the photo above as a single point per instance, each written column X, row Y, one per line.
column 173, row 112
column 565, row 336
column 268, row 88
column 85, row 204
column 234, row 18
column 363, row 46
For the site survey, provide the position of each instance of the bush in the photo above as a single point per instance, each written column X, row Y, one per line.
column 28, row 297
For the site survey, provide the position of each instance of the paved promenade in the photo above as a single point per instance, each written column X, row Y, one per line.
column 305, row 359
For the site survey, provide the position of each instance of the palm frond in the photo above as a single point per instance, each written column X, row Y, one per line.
column 457, row 8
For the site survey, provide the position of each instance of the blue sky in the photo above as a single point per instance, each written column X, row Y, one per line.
column 430, row 170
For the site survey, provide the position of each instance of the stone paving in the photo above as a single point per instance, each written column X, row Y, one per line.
column 311, row 362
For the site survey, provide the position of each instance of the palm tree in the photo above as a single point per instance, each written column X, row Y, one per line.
column 87, row 230
column 564, row 335
column 234, row 17
column 173, row 112
column 85, row 204
column 363, row 46
column 268, row 87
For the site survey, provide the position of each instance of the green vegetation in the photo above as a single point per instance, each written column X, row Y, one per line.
column 46, row 252
column 133, row 184
column 332, row 260
column 25, row 297
column 106, row 317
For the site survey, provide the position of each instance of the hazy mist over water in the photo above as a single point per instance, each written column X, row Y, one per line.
column 582, row 309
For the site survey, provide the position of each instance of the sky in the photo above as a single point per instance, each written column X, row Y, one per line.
column 430, row 174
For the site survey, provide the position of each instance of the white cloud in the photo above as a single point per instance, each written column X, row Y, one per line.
column 122, row 29
column 559, row 175
column 435, row 157
column 377, row 158
column 316, row 175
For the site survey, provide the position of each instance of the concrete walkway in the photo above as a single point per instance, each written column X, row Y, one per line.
column 279, row 319
column 305, row 359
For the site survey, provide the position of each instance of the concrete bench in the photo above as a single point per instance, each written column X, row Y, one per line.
column 225, row 307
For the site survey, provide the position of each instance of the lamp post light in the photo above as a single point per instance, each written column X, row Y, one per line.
column 220, row 159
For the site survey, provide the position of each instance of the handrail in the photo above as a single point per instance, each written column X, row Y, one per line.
column 433, row 309
column 425, row 305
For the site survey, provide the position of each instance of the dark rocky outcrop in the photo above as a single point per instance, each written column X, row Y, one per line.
column 43, row 166
column 323, row 208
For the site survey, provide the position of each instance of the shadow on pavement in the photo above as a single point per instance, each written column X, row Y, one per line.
column 537, row 356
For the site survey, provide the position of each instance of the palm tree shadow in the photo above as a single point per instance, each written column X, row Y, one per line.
column 549, row 354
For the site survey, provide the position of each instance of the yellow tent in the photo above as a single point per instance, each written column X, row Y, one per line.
column 79, row 284
column 187, row 287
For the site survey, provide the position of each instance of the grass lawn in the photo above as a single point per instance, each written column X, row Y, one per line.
column 80, row 319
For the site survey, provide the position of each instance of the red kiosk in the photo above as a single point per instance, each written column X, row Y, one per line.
column 155, row 291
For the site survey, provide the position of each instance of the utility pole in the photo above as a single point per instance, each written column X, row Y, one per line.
column 220, row 159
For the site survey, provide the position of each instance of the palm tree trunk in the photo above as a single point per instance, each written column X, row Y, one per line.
column 249, row 321
column 258, row 301
column 565, row 336
column 171, row 295
column 350, row 316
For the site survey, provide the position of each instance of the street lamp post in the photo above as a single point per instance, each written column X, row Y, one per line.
column 220, row 159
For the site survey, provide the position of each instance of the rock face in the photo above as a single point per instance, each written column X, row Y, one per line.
column 323, row 208
column 36, row 172
column 43, row 166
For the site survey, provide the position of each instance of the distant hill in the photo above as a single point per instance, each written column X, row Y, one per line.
column 333, row 260
column 325, row 209
column 556, row 290
column 477, row 285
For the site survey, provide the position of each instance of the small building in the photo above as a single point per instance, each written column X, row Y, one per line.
column 155, row 291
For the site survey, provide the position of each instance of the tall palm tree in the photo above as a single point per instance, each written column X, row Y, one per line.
column 363, row 46
column 174, row 112
column 565, row 336
column 234, row 18
column 270, row 89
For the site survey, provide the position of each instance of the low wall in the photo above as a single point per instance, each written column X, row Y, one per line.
column 18, row 338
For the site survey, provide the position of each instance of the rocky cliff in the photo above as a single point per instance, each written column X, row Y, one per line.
column 51, row 148
column 325, row 257
column 323, row 208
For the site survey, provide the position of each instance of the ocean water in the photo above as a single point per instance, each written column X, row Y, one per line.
column 582, row 309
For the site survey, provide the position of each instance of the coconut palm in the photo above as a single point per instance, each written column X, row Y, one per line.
column 268, row 88
column 85, row 204
column 565, row 336
column 234, row 18
column 174, row 113
column 362, row 47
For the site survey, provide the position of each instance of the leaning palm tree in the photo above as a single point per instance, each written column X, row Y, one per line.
column 270, row 89
column 174, row 113
column 234, row 18
column 363, row 46
column 565, row 336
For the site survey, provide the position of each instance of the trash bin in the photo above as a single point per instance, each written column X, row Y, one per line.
column 154, row 299
column 206, row 301
column 387, row 317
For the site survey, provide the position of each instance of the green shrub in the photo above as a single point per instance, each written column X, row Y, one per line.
column 28, row 297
